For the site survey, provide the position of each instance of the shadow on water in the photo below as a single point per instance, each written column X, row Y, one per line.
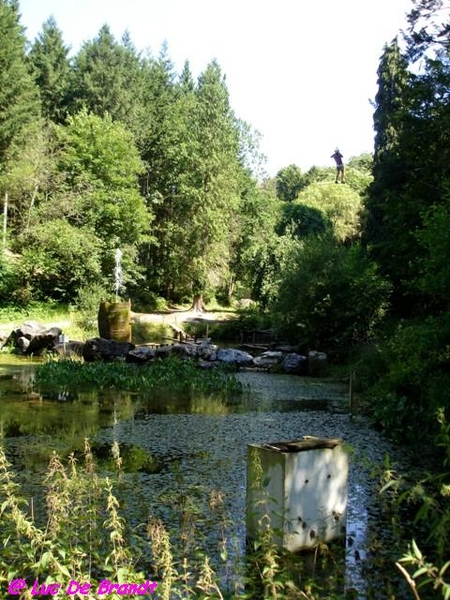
column 176, row 444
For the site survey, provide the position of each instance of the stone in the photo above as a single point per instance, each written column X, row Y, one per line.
column 317, row 364
column 268, row 359
column 102, row 349
column 207, row 351
column 141, row 354
column 296, row 364
column 44, row 340
column 22, row 344
column 232, row 356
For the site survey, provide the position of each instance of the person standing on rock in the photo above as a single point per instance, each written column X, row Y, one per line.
column 339, row 166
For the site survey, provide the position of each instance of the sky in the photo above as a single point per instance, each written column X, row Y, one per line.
column 302, row 73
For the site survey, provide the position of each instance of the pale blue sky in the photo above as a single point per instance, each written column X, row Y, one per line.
column 301, row 72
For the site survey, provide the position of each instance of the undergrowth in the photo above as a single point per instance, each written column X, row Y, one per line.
column 78, row 532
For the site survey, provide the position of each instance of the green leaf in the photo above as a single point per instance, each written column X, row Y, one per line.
column 417, row 553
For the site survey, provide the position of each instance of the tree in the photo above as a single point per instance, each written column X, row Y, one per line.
column 19, row 101
column 197, row 200
column 429, row 29
column 390, row 107
column 108, row 78
column 386, row 230
column 30, row 177
column 58, row 259
column 340, row 207
column 330, row 296
column 257, row 215
column 289, row 182
column 101, row 163
column 212, row 183
column 51, row 70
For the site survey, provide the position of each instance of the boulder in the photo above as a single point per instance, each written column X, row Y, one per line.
column 207, row 351
column 27, row 330
column 184, row 351
column 33, row 338
column 317, row 364
column 22, row 344
column 141, row 354
column 295, row 364
column 44, row 340
column 102, row 349
column 268, row 359
column 232, row 356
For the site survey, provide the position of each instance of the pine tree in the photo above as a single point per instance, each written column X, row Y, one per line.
column 391, row 169
column 52, row 71
column 107, row 77
column 19, row 101
column 213, row 183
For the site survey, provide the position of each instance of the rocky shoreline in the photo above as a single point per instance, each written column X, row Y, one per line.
column 34, row 339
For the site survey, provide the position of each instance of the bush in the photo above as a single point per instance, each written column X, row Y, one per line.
column 416, row 381
column 58, row 259
column 331, row 297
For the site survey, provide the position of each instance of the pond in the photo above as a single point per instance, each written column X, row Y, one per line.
column 173, row 445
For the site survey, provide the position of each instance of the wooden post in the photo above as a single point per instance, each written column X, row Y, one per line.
column 350, row 391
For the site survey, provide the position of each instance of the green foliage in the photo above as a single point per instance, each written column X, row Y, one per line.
column 434, row 276
column 100, row 161
column 247, row 319
column 58, row 259
column 339, row 204
column 107, row 78
column 258, row 214
column 330, row 296
column 289, row 182
column 418, row 507
column 416, row 380
column 51, row 70
column 302, row 220
column 86, row 304
column 170, row 373
column 80, row 503
column 9, row 277
column 19, row 105
column 269, row 266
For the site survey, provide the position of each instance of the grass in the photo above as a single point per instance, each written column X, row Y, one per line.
column 63, row 316
column 81, row 325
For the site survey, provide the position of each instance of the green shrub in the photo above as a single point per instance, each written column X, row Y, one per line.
column 331, row 297
column 415, row 382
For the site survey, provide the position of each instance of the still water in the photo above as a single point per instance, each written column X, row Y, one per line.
column 177, row 444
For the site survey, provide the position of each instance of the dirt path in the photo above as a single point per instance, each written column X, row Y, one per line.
column 180, row 316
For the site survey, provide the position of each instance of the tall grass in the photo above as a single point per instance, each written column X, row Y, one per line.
column 78, row 532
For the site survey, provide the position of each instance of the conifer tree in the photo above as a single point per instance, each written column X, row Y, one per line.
column 107, row 77
column 391, row 169
column 52, row 71
column 19, row 102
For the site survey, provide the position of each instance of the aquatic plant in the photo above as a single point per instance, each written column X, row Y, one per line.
column 171, row 373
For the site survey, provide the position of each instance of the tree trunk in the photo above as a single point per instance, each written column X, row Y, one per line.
column 197, row 304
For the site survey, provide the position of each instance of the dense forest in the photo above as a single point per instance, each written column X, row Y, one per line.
column 111, row 148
